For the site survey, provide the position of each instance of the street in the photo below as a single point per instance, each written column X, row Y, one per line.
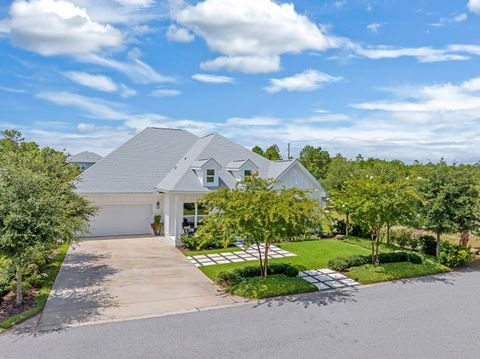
column 428, row 317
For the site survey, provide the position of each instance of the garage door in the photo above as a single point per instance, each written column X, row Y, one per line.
column 116, row 220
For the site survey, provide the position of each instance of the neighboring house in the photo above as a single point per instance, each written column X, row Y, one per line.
column 84, row 159
column 166, row 171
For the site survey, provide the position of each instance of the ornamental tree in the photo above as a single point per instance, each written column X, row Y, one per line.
column 258, row 213
column 373, row 201
column 38, row 206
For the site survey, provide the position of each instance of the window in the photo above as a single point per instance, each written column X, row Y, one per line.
column 247, row 173
column 210, row 176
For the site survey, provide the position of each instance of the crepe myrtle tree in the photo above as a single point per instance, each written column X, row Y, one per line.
column 38, row 206
column 372, row 200
column 259, row 214
column 451, row 201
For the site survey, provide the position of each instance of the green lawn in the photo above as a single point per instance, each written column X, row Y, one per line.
column 310, row 255
column 43, row 293
column 272, row 286
column 368, row 273
column 316, row 254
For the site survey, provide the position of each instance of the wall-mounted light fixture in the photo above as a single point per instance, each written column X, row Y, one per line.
column 158, row 204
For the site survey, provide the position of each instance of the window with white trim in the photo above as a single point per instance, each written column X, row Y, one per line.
column 210, row 175
column 247, row 173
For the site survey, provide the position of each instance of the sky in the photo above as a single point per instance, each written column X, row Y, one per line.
column 388, row 79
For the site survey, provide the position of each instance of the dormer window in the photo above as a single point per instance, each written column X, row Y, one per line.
column 210, row 175
column 247, row 173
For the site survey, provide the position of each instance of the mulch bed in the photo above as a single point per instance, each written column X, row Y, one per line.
column 8, row 307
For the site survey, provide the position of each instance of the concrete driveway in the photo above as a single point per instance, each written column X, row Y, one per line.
column 104, row 280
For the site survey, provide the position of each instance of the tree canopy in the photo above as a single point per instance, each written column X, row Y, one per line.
column 259, row 214
column 38, row 206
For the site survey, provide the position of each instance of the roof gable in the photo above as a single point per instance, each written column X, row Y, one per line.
column 138, row 165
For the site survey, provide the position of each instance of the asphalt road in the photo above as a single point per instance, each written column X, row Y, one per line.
column 430, row 317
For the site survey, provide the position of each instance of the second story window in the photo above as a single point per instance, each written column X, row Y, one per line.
column 210, row 175
column 247, row 173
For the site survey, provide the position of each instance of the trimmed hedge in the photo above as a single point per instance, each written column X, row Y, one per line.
column 344, row 263
column 231, row 278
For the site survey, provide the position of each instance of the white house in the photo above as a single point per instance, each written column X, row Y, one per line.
column 166, row 171
column 84, row 159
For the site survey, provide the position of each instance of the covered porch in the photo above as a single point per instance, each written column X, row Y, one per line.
column 182, row 214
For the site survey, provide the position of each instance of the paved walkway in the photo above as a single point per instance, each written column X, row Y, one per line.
column 249, row 254
column 326, row 278
column 105, row 280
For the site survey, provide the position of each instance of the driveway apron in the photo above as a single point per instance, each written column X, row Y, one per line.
column 104, row 280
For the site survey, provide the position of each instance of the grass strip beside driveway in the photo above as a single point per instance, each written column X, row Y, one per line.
column 43, row 293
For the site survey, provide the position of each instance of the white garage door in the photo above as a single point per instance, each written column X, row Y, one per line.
column 115, row 220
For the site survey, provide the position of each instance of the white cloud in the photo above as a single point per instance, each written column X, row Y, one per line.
column 126, row 91
column 165, row 92
column 474, row 6
column 247, row 64
column 253, row 121
column 11, row 89
column 95, row 108
column 179, row 34
column 137, row 70
column 252, row 34
column 374, row 27
column 460, row 17
column 308, row 80
column 213, row 79
column 140, row 3
column 422, row 54
column 58, row 27
column 97, row 82
column 86, row 127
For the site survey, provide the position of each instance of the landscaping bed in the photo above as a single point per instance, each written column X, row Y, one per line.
column 35, row 300
column 281, row 280
column 272, row 286
column 368, row 273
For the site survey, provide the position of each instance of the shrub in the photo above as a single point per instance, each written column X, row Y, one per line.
column 273, row 269
column 232, row 278
column 272, row 286
column 339, row 227
column 453, row 255
column 343, row 263
column 228, row 279
column 197, row 243
column 428, row 244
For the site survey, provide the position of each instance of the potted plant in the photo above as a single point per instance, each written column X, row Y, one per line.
column 157, row 225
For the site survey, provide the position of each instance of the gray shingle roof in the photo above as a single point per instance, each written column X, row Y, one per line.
column 85, row 157
column 138, row 165
column 164, row 159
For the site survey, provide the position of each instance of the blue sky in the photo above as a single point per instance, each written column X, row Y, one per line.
column 391, row 79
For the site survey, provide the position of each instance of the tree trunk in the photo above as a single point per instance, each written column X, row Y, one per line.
column 388, row 233
column 261, row 261
column 346, row 226
column 377, row 242
column 464, row 238
column 19, row 292
column 437, row 250
column 265, row 261
column 373, row 248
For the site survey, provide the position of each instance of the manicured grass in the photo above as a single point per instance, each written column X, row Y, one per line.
column 369, row 273
column 212, row 251
column 310, row 255
column 43, row 293
column 272, row 286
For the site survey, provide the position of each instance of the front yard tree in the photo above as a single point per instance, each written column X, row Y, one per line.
column 38, row 206
column 259, row 214
column 373, row 200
